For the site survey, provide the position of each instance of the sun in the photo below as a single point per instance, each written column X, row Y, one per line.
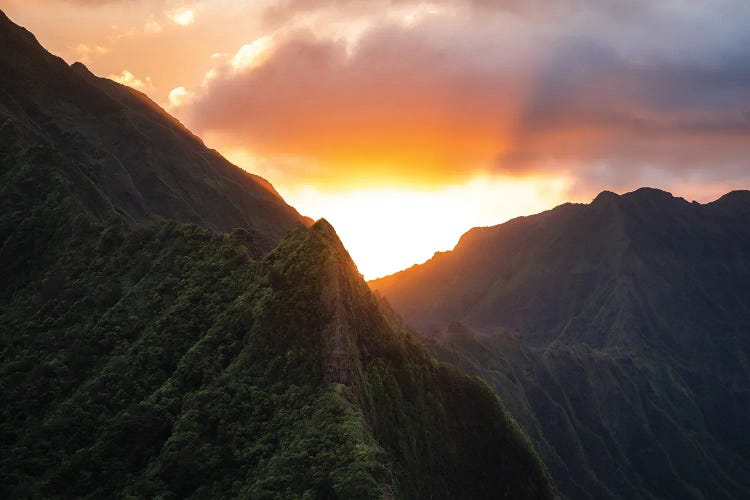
column 387, row 230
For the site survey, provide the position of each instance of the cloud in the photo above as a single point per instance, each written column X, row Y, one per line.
column 282, row 11
column 129, row 79
column 179, row 96
column 611, row 93
column 252, row 54
column 395, row 105
column 613, row 120
column 152, row 26
column 449, row 98
column 181, row 16
column 84, row 52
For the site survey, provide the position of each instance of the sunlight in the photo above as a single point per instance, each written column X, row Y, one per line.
column 251, row 54
column 386, row 230
column 179, row 96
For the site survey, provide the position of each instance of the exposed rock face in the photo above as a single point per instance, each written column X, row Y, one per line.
column 338, row 353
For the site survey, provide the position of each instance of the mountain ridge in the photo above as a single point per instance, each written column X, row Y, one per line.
column 606, row 207
column 612, row 331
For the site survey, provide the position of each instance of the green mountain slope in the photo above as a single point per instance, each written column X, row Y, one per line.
column 164, row 360
column 616, row 333
column 145, row 356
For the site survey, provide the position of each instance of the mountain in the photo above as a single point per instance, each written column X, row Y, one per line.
column 617, row 334
column 170, row 328
column 122, row 154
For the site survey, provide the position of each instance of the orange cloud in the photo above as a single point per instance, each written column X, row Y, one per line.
column 181, row 16
column 611, row 94
column 127, row 78
column 84, row 52
column 433, row 103
column 388, row 110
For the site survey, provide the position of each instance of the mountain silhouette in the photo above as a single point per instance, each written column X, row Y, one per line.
column 617, row 333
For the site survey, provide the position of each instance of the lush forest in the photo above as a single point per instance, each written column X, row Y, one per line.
column 166, row 360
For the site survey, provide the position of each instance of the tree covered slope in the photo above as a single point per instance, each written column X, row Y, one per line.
column 164, row 360
column 617, row 334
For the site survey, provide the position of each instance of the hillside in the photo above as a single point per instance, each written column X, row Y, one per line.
column 163, row 333
column 164, row 360
column 617, row 334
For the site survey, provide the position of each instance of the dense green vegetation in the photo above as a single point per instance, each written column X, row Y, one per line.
column 610, row 423
column 166, row 366
column 145, row 357
column 164, row 360
column 616, row 334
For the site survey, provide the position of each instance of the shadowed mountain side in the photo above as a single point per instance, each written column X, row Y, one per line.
column 617, row 333
column 611, row 424
column 123, row 153
column 577, row 263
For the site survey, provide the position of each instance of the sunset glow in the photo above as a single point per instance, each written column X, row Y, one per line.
column 407, row 125
column 390, row 229
column 251, row 54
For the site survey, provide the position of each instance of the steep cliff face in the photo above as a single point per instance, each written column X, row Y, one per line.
column 616, row 333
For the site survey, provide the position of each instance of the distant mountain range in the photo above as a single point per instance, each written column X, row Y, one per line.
column 617, row 333
column 171, row 328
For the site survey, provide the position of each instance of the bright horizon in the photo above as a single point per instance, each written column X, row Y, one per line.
column 407, row 125
column 390, row 229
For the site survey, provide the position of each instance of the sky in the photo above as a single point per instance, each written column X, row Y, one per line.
column 405, row 123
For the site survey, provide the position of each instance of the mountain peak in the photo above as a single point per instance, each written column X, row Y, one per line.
column 605, row 197
column 640, row 194
column 6, row 22
column 15, row 37
column 649, row 193
column 324, row 227
column 739, row 196
column 645, row 196
column 81, row 69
